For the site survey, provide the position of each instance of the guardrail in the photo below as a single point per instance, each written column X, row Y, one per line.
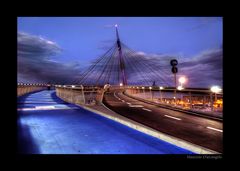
column 92, row 95
column 78, row 94
column 198, row 100
column 28, row 88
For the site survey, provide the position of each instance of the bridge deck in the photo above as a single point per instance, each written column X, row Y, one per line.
column 47, row 125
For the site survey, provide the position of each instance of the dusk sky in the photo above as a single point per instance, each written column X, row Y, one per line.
column 57, row 48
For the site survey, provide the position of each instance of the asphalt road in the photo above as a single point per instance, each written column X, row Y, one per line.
column 195, row 129
column 48, row 125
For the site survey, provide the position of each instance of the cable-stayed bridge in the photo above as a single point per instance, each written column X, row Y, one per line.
column 125, row 93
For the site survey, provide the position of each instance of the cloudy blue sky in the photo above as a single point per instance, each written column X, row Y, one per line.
column 58, row 49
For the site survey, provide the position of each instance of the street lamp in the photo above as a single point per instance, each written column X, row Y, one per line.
column 150, row 88
column 180, row 88
column 161, row 88
column 182, row 80
column 216, row 89
column 83, row 95
column 144, row 92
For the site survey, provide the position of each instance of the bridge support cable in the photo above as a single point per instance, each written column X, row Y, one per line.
column 146, row 64
column 101, row 69
column 111, row 71
column 132, row 64
column 140, row 63
column 105, row 66
column 97, row 71
column 121, row 64
column 162, row 70
column 92, row 67
column 90, row 70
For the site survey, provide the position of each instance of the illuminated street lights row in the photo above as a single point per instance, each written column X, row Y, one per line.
column 161, row 88
column 29, row 84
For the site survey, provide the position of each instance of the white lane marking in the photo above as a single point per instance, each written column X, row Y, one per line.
column 123, row 100
column 147, row 109
column 136, row 106
column 116, row 96
column 129, row 103
column 173, row 117
column 215, row 129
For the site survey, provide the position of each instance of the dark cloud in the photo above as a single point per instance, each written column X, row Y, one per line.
column 35, row 63
column 203, row 70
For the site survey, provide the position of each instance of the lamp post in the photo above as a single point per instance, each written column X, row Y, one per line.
column 144, row 92
column 161, row 93
column 121, row 85
column 181, row 80
column 83, row 97
column 180, row 88
column 73, row 86
column 150, row 88
column 215, row 90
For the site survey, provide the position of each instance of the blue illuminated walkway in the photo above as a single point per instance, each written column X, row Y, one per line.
column 48, row 125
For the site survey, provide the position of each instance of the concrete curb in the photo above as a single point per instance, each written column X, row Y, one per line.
column 147, row 130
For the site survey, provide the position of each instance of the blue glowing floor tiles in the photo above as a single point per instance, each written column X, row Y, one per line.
column 74, row 130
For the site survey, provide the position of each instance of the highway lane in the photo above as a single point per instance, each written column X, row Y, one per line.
column 48, row 125
column 198, row 130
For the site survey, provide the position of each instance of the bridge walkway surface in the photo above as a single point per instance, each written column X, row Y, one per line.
column 48, row 125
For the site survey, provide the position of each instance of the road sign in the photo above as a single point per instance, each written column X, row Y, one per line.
column 173, row 62
column 174, row 69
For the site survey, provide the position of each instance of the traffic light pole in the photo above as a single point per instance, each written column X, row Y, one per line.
column 175, row 89
column 174, row 63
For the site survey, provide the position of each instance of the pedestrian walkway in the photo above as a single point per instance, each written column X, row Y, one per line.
column 48, row 125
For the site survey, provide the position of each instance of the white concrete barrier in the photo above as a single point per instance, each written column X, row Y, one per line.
column 24, row 89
